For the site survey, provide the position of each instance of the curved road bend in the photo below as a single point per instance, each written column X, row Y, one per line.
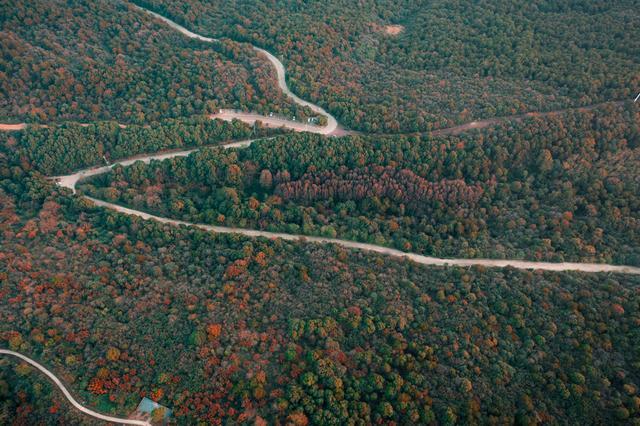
column 70, row 181
column 329, row 128
column 276, row 122
column 68, row 395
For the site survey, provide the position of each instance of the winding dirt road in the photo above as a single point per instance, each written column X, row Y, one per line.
column 418, row 258
column 70, row 182
column 328, row 129
column 331, row 128
column 68, row 395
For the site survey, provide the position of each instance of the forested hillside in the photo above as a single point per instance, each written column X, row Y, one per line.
column 222, row 328
column 562, row 187
column 105, row 60
column 452, row 62
column 445, row 62
column 71, row 147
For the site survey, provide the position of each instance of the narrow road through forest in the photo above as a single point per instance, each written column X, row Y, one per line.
column 68, row 395
column 418, row 258
column 70, row 182
column 331, row 127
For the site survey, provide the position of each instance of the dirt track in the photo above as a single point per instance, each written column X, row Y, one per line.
column 481, row 124
column 70, row 182
column 424, row 260
column 67, row 394
column 11, row 127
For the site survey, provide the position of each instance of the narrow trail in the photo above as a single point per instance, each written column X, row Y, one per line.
column 481, row 124
column 67, row 394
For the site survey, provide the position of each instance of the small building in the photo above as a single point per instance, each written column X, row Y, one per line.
column 155, row 411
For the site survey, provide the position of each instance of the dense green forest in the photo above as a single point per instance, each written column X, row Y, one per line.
column 222, row 328
column 455, row 61
column 105, row 60
column 71, row 147
column 561, row 187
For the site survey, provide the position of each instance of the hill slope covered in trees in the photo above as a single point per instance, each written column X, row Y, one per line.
column 224, row 328
column 455, row 61
column 106, row 60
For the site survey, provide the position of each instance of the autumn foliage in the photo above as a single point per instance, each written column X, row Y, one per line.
column 227, row 329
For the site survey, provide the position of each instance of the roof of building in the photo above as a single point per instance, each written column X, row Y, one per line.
column 147, row 406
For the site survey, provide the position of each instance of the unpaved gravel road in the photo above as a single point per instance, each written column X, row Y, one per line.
column 70, row 181
column 418, row 258
column 68, row 395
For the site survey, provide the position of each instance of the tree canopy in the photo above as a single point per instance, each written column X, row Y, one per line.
column 559, row 187
column 454, row 62
column 106, row 60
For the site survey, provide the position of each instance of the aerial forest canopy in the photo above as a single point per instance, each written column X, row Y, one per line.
column 223, row 328
column 105, row 60
column 228, row 328
column 453, row 61
column 562, row 187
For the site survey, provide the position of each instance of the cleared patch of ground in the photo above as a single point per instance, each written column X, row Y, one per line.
column 393, row 29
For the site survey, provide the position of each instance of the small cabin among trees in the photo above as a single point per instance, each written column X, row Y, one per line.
column 157, row 413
